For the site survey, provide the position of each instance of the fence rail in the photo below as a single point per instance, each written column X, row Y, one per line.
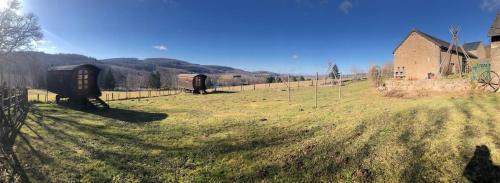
column 13, row 111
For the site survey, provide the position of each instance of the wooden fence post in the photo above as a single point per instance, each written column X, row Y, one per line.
column 38, row 97
column 340, row 87
column 316, row 91
column 2, row 96
column 9, row 94
column 289, row 98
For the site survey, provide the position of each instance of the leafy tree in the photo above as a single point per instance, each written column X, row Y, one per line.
column 109, row 81
column 154, row 80
column 17, row 32
column 278, row 80
column 301, row 78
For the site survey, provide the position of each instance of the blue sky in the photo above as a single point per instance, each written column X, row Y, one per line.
column 286, row 36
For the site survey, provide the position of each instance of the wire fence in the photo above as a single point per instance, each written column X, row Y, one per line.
column 44, row 96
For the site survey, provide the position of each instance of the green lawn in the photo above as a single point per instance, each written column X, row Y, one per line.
column 258, row 135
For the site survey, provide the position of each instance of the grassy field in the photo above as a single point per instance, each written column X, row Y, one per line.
column 257, row 135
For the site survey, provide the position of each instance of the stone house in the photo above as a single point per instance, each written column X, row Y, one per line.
column 419, row 56
column 494, row 34
column 488, row 51
column 477, row 48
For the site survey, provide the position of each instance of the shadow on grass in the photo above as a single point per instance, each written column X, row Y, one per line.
column 131, row 153
column 129, row 116
column 480, row 168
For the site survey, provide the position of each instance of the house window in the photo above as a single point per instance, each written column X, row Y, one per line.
column 83, row 79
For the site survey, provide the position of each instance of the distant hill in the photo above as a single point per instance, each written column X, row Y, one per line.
column 152, row 64
column 128, row 72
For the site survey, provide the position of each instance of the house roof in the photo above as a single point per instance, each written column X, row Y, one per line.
column 495, row 28
column 72, row 67
column 472, row 46
column 442, row 44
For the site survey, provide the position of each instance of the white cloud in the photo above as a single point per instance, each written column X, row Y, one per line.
column 345, row 6
column 490, row 5
column 161, row 47
column 295, row 56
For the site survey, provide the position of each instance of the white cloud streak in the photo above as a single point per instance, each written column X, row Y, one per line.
column 490, row 5
column 161, row 47
column 345, row 6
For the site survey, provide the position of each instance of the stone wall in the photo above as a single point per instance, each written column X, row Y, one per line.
column 495, row 56
column 433, row 85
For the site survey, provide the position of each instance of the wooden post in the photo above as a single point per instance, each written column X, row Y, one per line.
column 253, row 86
column 316, row 91
column 2, row 96
column 38, row 97
column 340, row 87
column 47, row 96
column 112, row 96
column 289, row 98
column 9, row 94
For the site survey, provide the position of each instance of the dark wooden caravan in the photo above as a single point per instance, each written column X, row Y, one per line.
column 192, row 82
column 77, row 83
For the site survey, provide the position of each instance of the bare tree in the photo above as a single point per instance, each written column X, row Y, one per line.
column 388, row 70
column 375, row 75
column 17, row 32
column 355, row 71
